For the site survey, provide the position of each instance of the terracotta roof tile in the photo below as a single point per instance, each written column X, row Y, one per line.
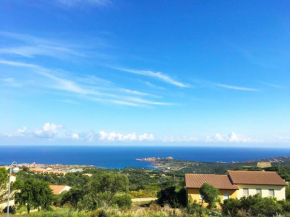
column 218, row 181
column 256, row 178
column 56, row 189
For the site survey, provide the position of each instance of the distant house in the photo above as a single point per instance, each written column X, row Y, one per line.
column 88, row 174
column 3, row 203
column 237, row 184
column 264, row 164
column 58, row 189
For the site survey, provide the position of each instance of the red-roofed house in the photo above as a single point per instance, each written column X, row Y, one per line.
column 58, row 189
column 237, row 184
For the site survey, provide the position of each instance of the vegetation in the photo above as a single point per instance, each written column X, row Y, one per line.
column 3, row 183
column 253, row 206
column 209, row 195
column 174, row 196
column 34, row 193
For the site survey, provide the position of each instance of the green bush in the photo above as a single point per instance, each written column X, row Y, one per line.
column 252, row 206
column 231, row 207
column 193, row 208
column 123, row 201
column 172, row 196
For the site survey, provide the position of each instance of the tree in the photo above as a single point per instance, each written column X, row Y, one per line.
column 101, row 191
column 34, row 193
column 288, row 192
column 209, row 194
column 73, row 196
column 173, row 196
column 3, row 183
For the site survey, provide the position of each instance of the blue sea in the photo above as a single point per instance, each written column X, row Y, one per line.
column 120, row 157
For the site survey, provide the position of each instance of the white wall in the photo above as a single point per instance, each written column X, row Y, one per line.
column 4, row 204
column 279, row 190
column 66, row 188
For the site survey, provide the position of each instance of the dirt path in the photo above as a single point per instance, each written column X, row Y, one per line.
column 148, row 199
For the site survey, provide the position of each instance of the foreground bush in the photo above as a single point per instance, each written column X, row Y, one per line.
column 252, row 206
column 123, row 201
column 114, row 212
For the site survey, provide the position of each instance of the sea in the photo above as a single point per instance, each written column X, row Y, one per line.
column 125, row 156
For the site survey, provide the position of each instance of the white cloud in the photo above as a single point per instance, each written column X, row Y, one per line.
column 157, row 75
column 75, row 136
column 48, row 130
column 232, row 137
column 146, row 136
column 18, row 133
column 112, row 136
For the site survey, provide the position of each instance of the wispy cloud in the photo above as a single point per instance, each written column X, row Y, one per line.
column 85, row 91
column 31, row 51
column 157, row 75
column 35, row 46
column 273, row 85
column 154, row 86
column 11, row 82
column 236, row 87
column 99, row 3
column 204, row 83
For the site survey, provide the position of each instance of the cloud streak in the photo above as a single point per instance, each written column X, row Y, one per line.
column 88, row 92
column 157, row 75
column 236, row 87
column 99, row 3
column 204, row 83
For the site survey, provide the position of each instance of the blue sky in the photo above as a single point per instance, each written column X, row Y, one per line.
column 106, row 72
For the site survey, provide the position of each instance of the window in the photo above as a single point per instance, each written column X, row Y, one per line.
column 259, row 191
column 200, row 197
column 245, row 192
column 226, row 196
column 271, row 193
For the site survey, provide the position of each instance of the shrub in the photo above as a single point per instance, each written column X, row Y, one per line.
column 173, row 197
column 12, row 209
column 286, row 206
column 231, row 207
column 123, row 201
column 252, row 206
column 193, row 208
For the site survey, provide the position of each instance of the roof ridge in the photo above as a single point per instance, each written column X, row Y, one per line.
column 251, row 171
